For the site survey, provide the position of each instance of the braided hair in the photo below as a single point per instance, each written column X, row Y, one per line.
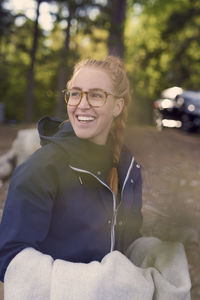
column 114, row 68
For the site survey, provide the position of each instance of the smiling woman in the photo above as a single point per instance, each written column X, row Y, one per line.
column 91, row 144
column 74, row 207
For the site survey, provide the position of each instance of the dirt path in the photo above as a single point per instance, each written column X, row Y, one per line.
column 7, row 134
column 171, row 187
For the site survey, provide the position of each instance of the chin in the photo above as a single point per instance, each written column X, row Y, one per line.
column 82, row 135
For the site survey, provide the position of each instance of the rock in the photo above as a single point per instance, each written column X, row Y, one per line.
column 26, row 142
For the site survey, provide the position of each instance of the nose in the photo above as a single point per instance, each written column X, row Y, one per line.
column 84, row 102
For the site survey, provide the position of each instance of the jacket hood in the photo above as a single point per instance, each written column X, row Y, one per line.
column 83, row 153
column 54, row 130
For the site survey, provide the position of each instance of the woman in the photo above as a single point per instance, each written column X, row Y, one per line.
column 78, row 198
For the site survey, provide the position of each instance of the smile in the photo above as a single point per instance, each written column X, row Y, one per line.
column 85, row 118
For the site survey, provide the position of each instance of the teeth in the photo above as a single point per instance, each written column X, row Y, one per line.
column 82, row 118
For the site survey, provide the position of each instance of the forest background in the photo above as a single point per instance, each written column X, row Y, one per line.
column 159, row 41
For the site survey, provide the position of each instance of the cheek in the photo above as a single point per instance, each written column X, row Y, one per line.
column 70, row 111
column 106, row 117
column 109, row 111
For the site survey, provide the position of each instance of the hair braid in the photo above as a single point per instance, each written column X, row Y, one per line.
column 121, row 85
column 114, row 67
column 117, row 138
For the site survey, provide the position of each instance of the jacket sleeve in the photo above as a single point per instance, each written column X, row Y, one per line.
column 27, row 213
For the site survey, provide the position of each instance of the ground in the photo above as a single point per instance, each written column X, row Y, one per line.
column 171, row 187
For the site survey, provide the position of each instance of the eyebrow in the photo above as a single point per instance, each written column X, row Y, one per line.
column 76, row 87
column 96, row 89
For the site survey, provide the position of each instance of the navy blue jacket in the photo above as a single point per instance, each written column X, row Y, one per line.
column 59, row 201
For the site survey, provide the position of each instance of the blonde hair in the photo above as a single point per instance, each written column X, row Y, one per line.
column 115, row 69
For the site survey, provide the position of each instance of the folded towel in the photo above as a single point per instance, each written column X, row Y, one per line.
column 152, row 270
column 114, row 278
column 28, row 276
column 167, row 264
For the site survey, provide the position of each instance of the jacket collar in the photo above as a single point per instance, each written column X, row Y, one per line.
column 84, row 154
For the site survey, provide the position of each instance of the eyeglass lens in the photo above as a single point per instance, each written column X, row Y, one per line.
column 95, row 97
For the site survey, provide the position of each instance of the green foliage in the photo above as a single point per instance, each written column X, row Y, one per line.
column 163, row 50
column 14, row 71
column 162, row 46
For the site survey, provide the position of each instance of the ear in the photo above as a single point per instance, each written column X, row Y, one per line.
column 118, row 106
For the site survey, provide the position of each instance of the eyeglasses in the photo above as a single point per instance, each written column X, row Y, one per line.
column 95, row 97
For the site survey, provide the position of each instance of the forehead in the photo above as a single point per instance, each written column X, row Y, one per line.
column 91, row 77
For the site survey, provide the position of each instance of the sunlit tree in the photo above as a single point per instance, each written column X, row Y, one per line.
column 6, row 22
column 116, row 23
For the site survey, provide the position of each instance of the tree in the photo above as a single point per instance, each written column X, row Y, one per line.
column 62, row 71
column 116, row 30
column 30, row 77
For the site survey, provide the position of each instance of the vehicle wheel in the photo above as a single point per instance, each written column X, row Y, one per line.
column 187, row 124
column 157, row 118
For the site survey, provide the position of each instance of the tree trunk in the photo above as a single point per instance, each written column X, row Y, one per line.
column 62, row 73
column 30, row 76
column 116, row 36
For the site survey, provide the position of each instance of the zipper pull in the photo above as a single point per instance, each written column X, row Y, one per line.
column 79, row 177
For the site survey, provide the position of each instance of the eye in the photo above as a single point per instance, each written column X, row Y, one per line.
column 96, row 95
column 75, row 94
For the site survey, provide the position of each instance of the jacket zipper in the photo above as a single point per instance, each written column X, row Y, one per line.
column 115, row 209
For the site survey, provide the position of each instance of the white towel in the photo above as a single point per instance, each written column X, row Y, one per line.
column 28, row 276
column 155, row 270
